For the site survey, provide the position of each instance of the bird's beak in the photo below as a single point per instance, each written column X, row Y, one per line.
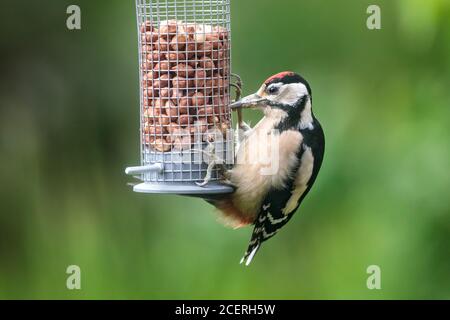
column 250, row 101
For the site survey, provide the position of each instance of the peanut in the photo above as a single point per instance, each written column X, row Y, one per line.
column 164, row 93
column 198, row 99
column 173, row 128
column 213, row 39
column 179, row 42
column 221, row 32
column 161, row 82
column 163, row 66
column 148, row 102
column 185, row 70
column 176, row 94
column 147, row 79
column 161, row 45
column 209, row 84
column 153, row 130
column 147, row 66
column 191, row 49
column 185, row 103
column 208, row 111
column 182, row 83
column 146, row 48
column 207, row 64
column 201, row 126
column 175, row 56
column 161, row 145
column 200, row 78
column 223, row 67
column 171, row 111
column 149, row 92
column 205, row 49
column 159, row 104
column 190, row 30
column 185, row 120
column 149, row 37
column 163, row 120
column 183, row 143
column 146, row 26
column 168, row 28
column 154, row 56
column 148, row 140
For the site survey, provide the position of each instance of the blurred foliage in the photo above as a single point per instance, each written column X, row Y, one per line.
column 68, row 127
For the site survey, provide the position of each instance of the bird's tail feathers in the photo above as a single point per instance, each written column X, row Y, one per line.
column 250, row 254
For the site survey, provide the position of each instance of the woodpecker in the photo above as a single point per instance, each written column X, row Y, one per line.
column 269, row 198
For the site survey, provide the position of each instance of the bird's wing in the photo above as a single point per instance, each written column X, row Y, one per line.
column 280, row 204
column 270, row 219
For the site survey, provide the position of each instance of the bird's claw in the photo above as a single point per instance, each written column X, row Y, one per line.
column 215, row 161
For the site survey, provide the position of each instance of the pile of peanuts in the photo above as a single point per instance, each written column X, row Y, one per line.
column 185, row 83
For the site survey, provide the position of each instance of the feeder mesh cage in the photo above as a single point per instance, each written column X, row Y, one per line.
column 184, row 57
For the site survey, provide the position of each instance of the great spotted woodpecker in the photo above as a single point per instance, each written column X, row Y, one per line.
column 264, row 198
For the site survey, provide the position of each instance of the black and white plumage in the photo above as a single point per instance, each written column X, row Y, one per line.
column 281, row 203
column 291, row 132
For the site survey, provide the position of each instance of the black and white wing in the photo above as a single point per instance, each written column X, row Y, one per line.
column 271, row 219
column 280, row 204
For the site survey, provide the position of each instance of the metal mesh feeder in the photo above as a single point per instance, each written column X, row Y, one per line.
column 184, row 57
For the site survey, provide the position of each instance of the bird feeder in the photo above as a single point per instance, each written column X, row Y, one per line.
column 184, row 59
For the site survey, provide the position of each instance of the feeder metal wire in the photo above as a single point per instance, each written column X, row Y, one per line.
column 185, row 63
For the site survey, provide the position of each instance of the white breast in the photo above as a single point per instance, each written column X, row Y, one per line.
column 251, row 178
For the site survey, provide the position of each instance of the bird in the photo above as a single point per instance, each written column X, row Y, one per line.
column 268, row 192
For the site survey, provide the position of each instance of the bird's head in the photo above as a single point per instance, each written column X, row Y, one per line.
column 285, row 95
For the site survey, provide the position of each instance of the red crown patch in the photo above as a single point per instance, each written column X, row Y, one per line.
column 279, row 76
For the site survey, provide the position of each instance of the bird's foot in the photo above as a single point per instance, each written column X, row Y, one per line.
column 242, row 131
column 244, row 127
column 214, row 161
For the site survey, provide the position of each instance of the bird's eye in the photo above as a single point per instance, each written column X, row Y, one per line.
column 272, row 90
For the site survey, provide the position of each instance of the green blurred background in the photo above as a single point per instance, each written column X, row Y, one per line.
column 69, row 126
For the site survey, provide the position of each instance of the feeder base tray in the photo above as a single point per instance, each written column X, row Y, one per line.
column 186, row 189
